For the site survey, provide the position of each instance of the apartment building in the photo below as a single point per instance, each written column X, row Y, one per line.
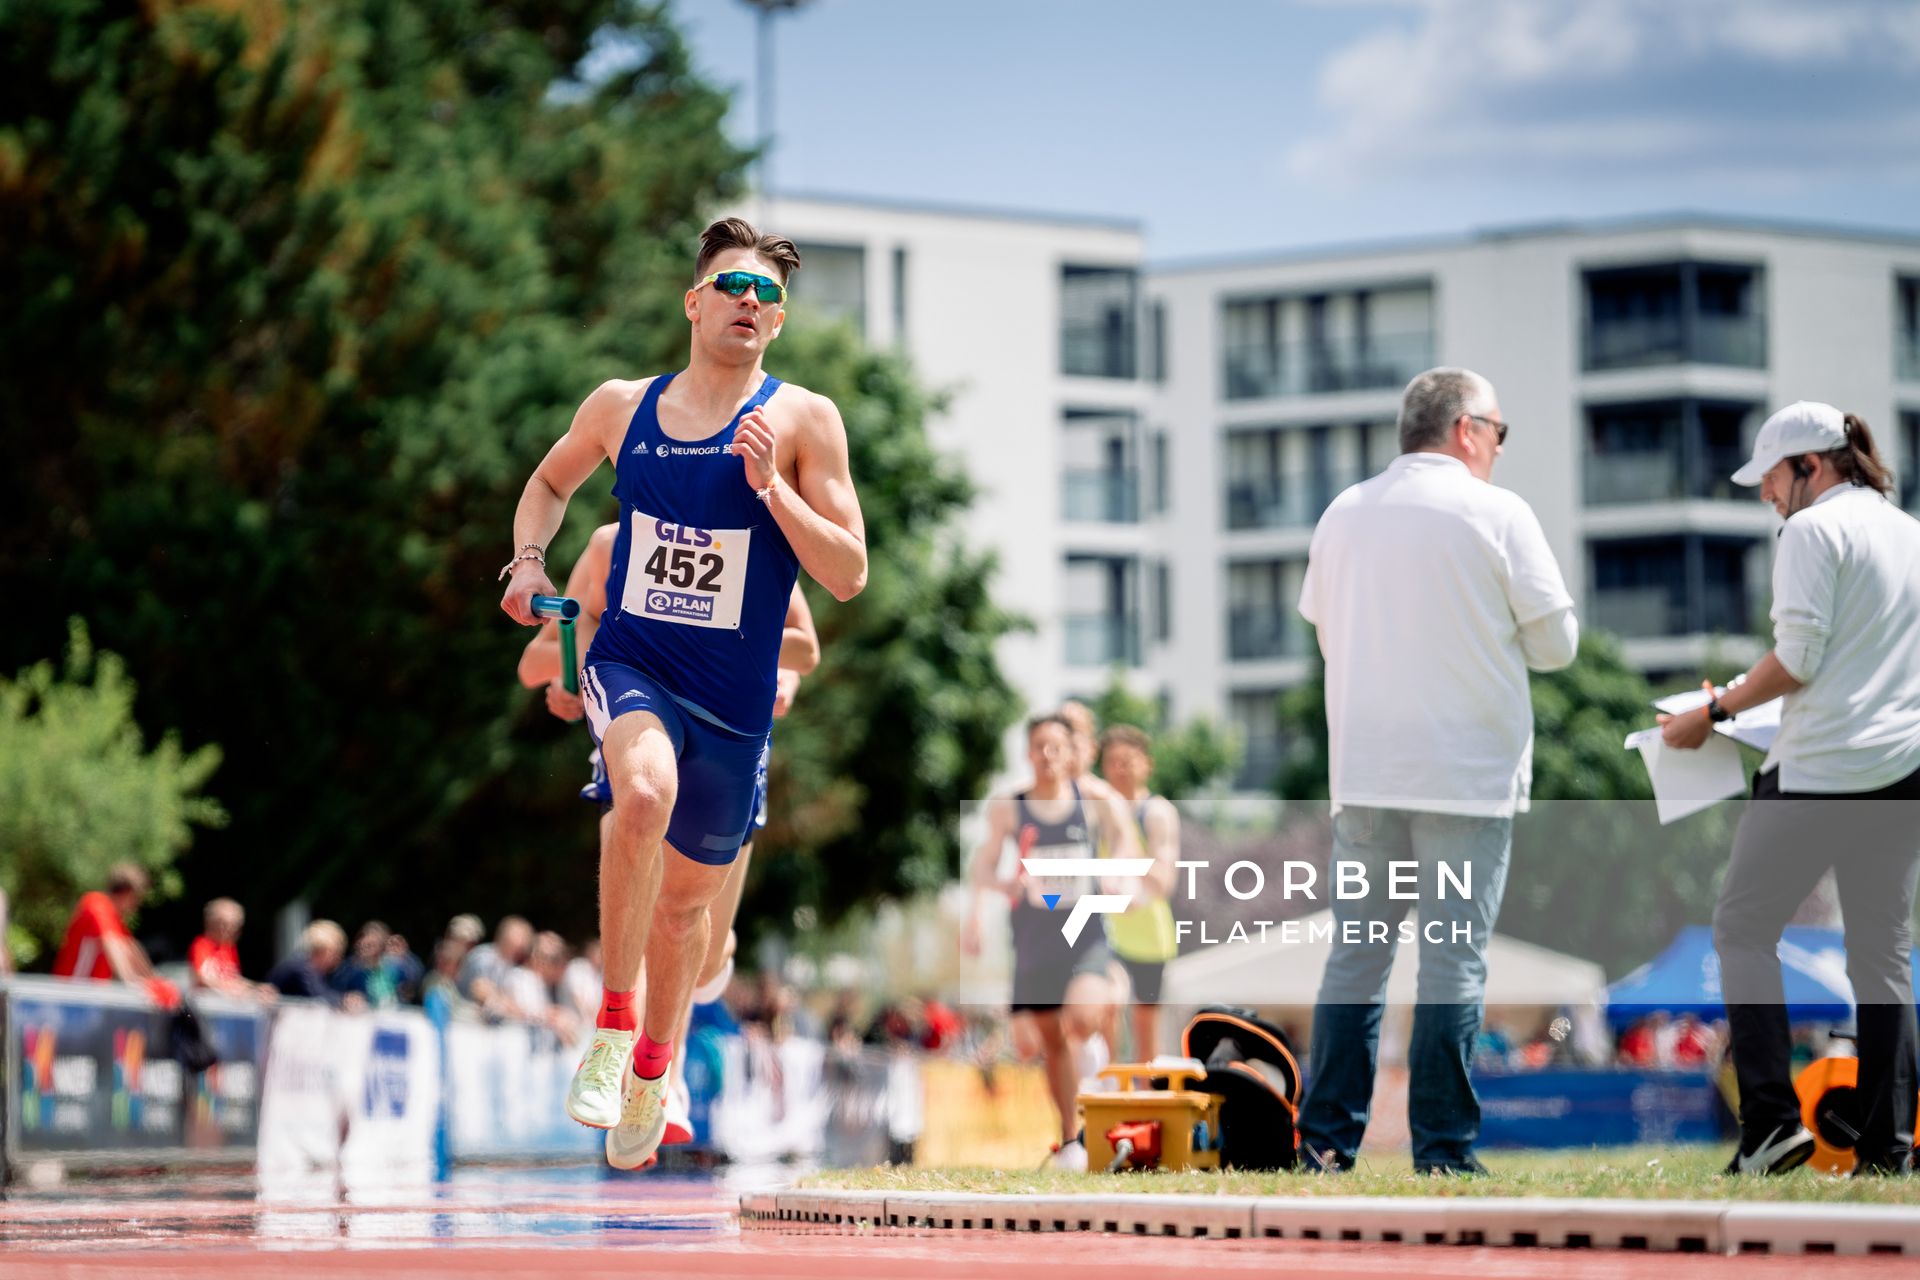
column 1153, row 446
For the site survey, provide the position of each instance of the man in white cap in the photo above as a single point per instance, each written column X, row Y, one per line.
column 1846, row 658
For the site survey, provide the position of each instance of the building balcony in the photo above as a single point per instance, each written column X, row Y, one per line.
column 1652, row 612
column 1660, row 476
column 1284, row 502
column 1383, row 362
column 1102, row 640
column 1100, row 495
column 1739, row 341
column 1256, row 634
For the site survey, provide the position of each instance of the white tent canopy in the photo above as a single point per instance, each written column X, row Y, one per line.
column 1284, row 971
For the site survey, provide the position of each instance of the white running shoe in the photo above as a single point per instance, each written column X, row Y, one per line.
column 594, row 1097
column 679, row 1129
column 1071, row 1156
column 643, row 1122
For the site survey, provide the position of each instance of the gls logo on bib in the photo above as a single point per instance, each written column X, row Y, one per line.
column 693, row 577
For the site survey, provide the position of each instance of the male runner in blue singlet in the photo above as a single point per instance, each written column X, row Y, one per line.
column 729, row 483
column 540, row 667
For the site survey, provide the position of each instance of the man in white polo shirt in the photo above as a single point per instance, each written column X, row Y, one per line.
column 1840, row 789
column 1433, row 593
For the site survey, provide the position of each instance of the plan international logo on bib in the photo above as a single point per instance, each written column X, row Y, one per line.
column 1088, row 905
column 672, row 604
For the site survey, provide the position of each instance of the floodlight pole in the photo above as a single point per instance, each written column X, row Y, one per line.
column 763, row 96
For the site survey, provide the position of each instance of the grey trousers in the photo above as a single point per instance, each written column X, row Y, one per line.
column 1784, row 844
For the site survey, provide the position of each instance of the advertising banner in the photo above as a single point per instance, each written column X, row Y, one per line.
column 91, row 1070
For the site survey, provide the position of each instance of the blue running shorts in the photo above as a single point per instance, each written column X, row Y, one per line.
column 598, row 790
column 718, row 768
column 760, row 791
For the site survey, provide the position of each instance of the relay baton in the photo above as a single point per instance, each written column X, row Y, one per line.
column 565, row 609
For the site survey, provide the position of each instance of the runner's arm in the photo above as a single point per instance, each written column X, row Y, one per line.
column 589, row 440
column 799, row 643
column 984, row 873
column 587, row 583
column 1110, row 811
column 819, row 512
column 1163, row 845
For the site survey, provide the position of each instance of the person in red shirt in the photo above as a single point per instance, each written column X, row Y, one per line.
column 98, row 946
column 214, row 957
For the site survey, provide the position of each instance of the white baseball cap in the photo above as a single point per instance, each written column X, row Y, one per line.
column 1805, row 426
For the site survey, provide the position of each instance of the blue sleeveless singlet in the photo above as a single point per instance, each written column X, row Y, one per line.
column 701, row 575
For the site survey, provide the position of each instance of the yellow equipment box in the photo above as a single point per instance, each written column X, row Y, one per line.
column 1135, row 1128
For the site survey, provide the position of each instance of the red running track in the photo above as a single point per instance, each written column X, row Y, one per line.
column 584, row 1226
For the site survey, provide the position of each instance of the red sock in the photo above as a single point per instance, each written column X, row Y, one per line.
column 616, row 1011
column 650, row 1057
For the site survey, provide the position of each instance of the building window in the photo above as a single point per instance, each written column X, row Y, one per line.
column 1667, row 450
column 1906, row 328
column 1682, row 585
column 1324, row 342
column 1909, row 465
column 1262, row 621
column 1162, row 602
column 1162, row 474
column 1284, row 477
column 1675, row 313
column 1100, row 478
column 832, row 285
column 1103, row 611
column 1157, row 341
column 899, row 296
column 1098, row 333
column 1256, row 717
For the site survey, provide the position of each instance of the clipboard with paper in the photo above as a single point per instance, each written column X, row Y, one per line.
column 1686, row 782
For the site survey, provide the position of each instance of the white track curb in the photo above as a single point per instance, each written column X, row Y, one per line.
column 1661, row 1226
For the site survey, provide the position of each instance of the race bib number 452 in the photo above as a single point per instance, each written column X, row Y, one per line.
column 693, row 577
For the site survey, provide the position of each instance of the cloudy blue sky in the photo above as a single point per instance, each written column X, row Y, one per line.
column 1232, row 125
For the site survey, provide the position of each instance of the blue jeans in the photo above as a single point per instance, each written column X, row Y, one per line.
column 1442, row 1110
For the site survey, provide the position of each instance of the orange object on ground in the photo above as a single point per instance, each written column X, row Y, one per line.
column 1830, row 1109
column 1187, row 1120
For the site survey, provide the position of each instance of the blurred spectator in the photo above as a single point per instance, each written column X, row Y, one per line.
column 941, row 1027
column 534, row 987
column 366, row 973
column 323, row 945
column 407, row 969
column 1640, row 1043
column 484, row 972
column 1693, row 1047
column 214, row 957
column 98, row 945
column 1491, row 1047
column 582, row 985
column 443, row 983
column 465, row 932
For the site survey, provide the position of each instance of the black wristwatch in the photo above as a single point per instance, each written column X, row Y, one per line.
column 1717, row 713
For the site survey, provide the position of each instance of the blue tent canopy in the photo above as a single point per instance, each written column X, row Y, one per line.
column 1685, row 978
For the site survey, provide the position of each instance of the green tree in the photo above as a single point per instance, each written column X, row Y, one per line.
column 302, row 294
column 1593, row 872
column 80, row 791
column 1187, row 759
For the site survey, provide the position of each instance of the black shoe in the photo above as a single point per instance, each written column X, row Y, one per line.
column 1900, row 1167
column 1782, row 1151
column 1464, row 1167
